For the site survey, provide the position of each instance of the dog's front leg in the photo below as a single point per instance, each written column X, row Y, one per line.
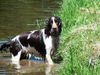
column 48, row 47
column 48, row 57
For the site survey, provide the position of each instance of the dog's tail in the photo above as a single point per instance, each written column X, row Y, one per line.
column 5, row 46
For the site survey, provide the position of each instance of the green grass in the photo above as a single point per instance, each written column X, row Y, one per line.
column 80, row 37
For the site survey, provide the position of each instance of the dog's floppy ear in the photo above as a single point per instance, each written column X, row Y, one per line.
column 48, row 27
column 59, row 25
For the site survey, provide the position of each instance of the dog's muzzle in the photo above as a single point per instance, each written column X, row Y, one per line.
column 55, row 27
column 54, row 32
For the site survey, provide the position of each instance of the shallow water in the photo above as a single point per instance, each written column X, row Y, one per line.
column 18, row 16
column 25, row 67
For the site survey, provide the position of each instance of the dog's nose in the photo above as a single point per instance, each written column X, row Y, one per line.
column 55, row 29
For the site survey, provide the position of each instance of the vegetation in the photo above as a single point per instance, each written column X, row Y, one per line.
column 80, row 38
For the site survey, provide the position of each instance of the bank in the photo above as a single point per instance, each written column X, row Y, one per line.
column 80, row 38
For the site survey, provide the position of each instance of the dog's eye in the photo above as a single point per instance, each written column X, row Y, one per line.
column 51, row 21
column 56, row 21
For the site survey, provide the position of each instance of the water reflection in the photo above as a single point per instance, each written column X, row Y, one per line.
column 48, row 70
column 25, row 67
column 31, row 67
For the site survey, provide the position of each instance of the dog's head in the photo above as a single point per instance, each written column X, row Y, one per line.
column 53, row 26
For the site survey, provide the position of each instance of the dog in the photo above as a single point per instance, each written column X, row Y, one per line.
column 45, row 42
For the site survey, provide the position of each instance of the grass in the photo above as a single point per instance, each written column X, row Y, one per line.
column 80, row 38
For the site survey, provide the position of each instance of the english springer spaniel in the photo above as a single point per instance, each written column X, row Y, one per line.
column 44, row 41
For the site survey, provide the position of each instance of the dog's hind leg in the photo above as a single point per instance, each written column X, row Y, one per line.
column 16, row 51
column 17, row 57
column 16, row 60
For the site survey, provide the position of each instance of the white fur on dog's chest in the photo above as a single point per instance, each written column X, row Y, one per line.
column 47, row 41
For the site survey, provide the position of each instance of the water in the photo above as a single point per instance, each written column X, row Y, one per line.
column 25, row 67
column 18, row 16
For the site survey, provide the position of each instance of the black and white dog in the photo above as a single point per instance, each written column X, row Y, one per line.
column 44, row 41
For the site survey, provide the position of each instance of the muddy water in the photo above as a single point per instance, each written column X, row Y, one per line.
column 18, row 16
